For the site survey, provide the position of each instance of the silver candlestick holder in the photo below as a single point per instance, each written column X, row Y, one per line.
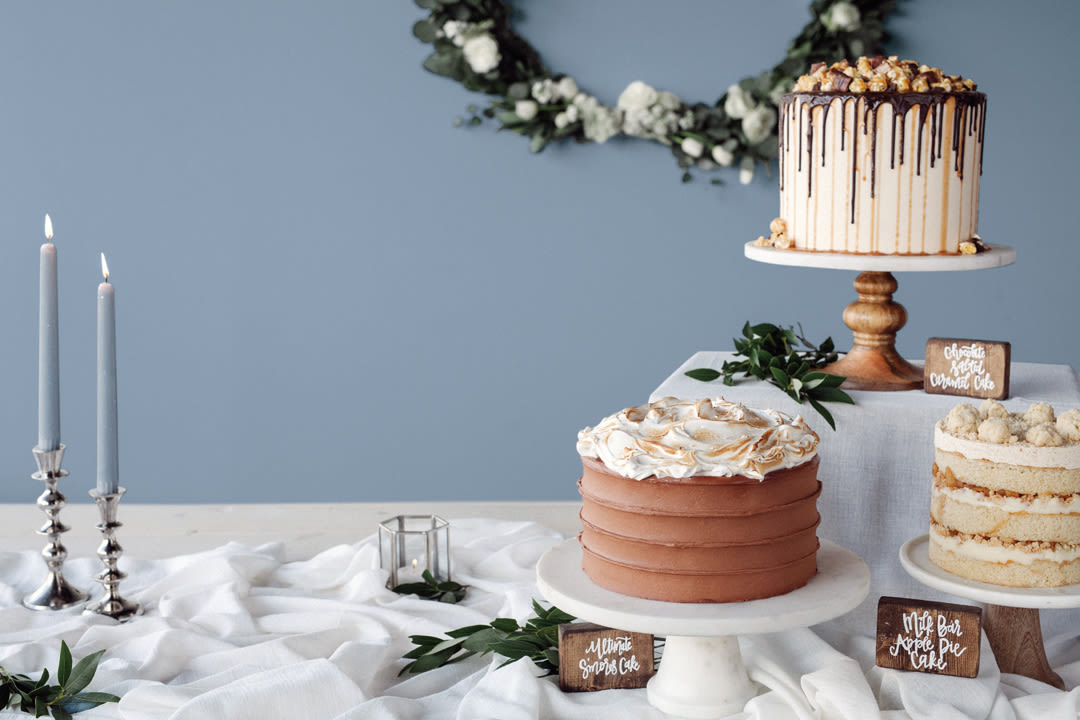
column 55, row 593
column 110, row 551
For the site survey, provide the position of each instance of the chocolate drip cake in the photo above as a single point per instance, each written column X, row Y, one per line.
column 699, row 501
column 880, row 157
column 1005, row 505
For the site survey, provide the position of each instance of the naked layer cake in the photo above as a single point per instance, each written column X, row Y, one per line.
column 1005, row 505
column 882, row 156
column 699, row 501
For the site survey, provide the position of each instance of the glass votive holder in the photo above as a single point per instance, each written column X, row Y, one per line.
column 411, row 544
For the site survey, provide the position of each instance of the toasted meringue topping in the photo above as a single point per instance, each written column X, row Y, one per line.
column 682, row 438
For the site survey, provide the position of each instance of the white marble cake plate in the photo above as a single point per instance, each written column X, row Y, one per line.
column 915, row 557
column 702, row 673
column 995, row 256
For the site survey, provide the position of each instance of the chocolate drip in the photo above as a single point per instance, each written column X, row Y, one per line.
column 892, row 145
column 824, row 134
column 810, row 152
column 918, row 146
column 783, row 145
column 873, row 152
column 969, row 117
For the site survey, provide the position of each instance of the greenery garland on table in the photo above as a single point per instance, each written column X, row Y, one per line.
column 476, row 45
column 63, row 700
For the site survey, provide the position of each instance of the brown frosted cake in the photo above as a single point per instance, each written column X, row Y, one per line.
column 699, row 501
column 1005, row 505
column 883, row 156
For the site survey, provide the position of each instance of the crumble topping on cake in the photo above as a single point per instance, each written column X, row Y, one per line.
column 993, row 423
column 683, row 438
column 880, row 74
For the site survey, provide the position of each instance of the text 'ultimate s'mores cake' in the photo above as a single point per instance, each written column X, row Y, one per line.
column 1005, row 506
column 699, row 501
column 882, row 156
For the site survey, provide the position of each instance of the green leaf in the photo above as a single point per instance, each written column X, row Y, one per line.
column 466, row 631
column 41, row 708
column 703, row 374
column 539, row 142
column 508, row 625
column 481, row 641
column 83, row 673
column 425, row 640
column 425, row 31
column 59, row 713
column 831, row 394
column 63, row 670
column 428, row 4
column 780, row 376
column 823, row 412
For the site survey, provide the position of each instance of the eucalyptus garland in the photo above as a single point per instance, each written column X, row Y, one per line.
column 476, row 45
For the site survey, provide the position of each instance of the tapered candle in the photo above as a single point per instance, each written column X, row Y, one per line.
column 48, row 348
column 108, row 475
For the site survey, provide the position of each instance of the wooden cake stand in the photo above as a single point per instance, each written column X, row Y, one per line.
column 702, row 673
column 874, row 319
column 1011, row 618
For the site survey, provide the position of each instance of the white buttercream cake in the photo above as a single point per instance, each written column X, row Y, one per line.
column 1005, row 505
column 882, row 156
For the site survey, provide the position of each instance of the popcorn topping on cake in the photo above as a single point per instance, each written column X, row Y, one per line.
column 880, row 74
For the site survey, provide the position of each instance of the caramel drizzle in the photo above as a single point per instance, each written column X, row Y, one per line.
column 970, row 112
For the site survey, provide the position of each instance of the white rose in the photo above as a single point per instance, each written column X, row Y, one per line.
column 452, row 28
column 738, row 102
column 668, row 101
column 543, row 91
column 746, row 170
column 842, row 16
column 482, row 53
column 571, row 113
column 636, row 122
column 637, row 95
column 722, row 156
column 692, row 147
column 561, row 120
column 567, row 88
column 525, row 109
column 758, row 123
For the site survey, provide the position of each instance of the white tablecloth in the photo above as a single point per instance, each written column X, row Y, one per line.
column 239, row 633
column 876, row 467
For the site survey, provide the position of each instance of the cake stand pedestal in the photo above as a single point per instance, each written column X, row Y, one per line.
column 874, row 319
column 1011, row 619
column 702, row 673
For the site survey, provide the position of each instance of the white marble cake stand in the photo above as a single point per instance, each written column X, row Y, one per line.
column 702, row 673
column 1011, row 619
column 874, row 319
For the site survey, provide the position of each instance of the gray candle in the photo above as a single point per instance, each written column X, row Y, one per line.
column 108, row 475
column 48, row 348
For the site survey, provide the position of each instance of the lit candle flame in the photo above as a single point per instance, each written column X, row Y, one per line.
column 104, row 267
column 48, row 227
column 414, row 563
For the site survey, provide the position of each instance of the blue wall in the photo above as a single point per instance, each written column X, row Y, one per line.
column 327, row 292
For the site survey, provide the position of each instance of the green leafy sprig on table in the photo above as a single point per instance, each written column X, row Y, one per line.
column 63, row 700
column 772, row 354
column 431, row 589
column 538, row 640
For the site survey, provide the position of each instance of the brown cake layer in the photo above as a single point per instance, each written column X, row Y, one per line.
column 702, row 538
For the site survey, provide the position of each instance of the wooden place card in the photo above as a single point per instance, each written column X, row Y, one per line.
column 972, row 368
column 931, row 637
column 594, row 657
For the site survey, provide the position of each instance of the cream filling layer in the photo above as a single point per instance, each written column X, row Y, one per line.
column 1032, row 504
column 1020, row 453
column 962, row 545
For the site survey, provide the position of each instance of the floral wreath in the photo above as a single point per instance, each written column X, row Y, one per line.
column 476, row 45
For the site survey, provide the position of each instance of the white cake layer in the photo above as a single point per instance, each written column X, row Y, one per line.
column 857, row 176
